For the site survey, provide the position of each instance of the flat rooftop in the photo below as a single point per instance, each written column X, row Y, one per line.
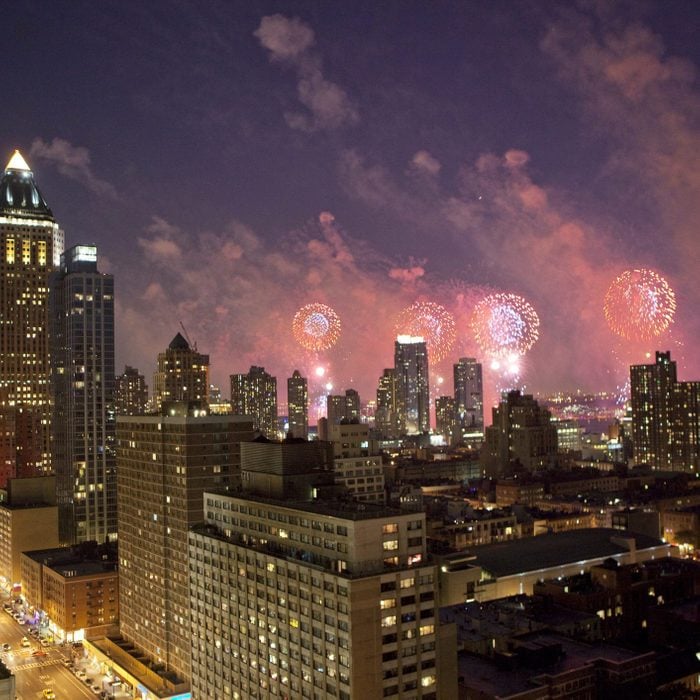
column 555, row 549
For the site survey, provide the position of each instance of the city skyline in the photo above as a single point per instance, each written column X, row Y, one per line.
column 235, row 164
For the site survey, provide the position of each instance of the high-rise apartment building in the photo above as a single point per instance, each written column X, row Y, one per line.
column 412, row 384
column 255, row 394
column 665, row 416
column 164, row 465
column 446, row 420
column 182, row 375
column 82, row 383
column 343, row 407
column 298, row 405
column 130, row 393
column 521, row 436
column 469, row 393
column 31, row 244
column 386, row 416
column 326, row 599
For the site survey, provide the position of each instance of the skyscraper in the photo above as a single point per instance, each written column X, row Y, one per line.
column 31, row 244
column 255, row 394
column 386, row 417
column 665, row 424
column 130, row 393
column 412, row 384
column 298, row 405
column 183, row 374
column 343, row 407
column 165, row 463
column 82, row 382
column 446, row 418
column 469, row 393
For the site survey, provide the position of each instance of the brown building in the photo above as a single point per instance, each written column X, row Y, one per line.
column 510, row 491
column 182, row 375
column 78, row 592
column 164, row 465
column 130, row 393
column 28, row 520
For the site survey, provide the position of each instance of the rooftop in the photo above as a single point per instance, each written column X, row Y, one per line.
column 19, row 195
column 556, row 549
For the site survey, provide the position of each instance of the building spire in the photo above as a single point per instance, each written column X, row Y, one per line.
column 17, row 162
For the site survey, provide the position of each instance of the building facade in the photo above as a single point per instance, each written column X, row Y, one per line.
column 255, row 394
column 386, row 416
column 182, row 375
column 412, row 384
column 341, row 407
column 31, row 244
column 298, row 405
column 469, row 393
column 665, row 416
column 314, row 600
column 164, row 464
column 82, row 385
column 130, row 393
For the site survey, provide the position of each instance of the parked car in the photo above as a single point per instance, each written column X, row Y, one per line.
column 6, row 647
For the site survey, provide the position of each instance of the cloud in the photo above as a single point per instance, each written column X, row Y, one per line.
column 407, row 275
column 72, row 162
column 285, row 39
column 160, row 246
column 423, row 161
column 289, row 41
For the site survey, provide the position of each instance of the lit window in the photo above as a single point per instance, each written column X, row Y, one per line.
column 390, row 545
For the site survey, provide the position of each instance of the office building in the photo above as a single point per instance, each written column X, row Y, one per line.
column 255, row 394
column 303, row 599
column 130, row 393
column 183, row 374
column 298, row 405
column 412, row 384
column 665, row 416
column 164, row 465
column 469, row 393
column 82, row 384
column 343, row 407
column 522, row 436
column 31, row 244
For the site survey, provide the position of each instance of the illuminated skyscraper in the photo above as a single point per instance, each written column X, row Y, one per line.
column 469, row 393
column 255, row 394
column 183, row 374
column 82, row 382
column 665, row 416
column 130, row 393
column 31, row 244
column 386, row 417
column 412, row 384
column 298, row 405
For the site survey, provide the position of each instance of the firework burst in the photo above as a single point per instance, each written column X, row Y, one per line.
column 505, row 325
column 431, row 321
column 316, row 327
column 639, row 305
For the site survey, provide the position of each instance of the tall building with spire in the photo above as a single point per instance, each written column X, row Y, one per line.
column 298, row 405
column 182, row 375
column 255, row 394
column 31, row 243
column 412, row 384
column 83, row 423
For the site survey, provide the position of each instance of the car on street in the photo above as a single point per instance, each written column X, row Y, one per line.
column 96, row 689
column 38, row 652
column 6, row 647
column 81, row 674
column 49, row 694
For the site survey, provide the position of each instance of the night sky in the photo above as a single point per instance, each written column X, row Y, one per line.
column 234, row 161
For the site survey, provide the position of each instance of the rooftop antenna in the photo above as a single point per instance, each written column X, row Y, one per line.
column 187, row 337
